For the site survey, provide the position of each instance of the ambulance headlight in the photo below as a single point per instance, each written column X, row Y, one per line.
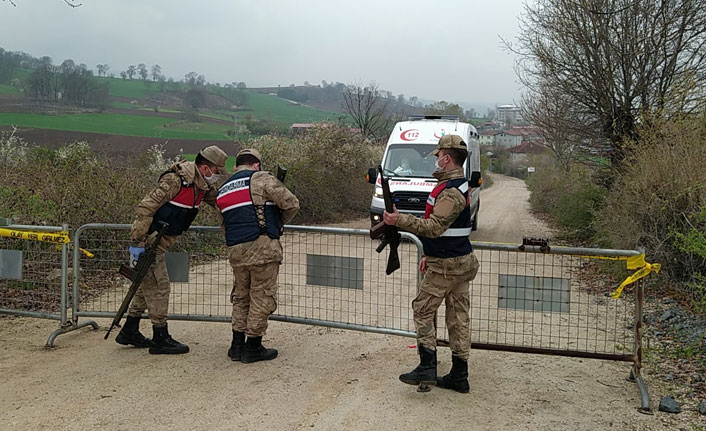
column 378, row 192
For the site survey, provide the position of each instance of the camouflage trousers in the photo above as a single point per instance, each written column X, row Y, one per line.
column 254, row 297
column 153, row 293
column 446, row 280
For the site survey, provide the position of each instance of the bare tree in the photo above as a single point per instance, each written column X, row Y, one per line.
column 614, row 59
column 131, row 70
column 102, row 69
column 561, row 126
column 190, row 78
column 445, row 108
column 367, row 108
column 156, row 72
column 142, row 70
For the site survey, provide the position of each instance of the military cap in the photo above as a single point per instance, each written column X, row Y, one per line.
column 251, row 151
column 217, row 157
column 450, row 141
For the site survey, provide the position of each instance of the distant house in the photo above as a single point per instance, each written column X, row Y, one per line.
column 514, row 136
column 508, row 114
column 508, row 139
column 490, row 125
column 299, row 128
column 487, row 137
column 519, row 153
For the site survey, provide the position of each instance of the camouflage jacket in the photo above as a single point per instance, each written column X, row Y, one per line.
column 448, row 206
column 167, row 188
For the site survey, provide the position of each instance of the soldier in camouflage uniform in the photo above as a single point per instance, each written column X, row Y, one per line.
column 448, row 265
column 255, row 205
column 175, row 200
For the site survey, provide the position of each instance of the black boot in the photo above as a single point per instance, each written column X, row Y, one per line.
column 130, row 334
column 236, row 346
column 164, row 344
column 457, row 379
column 254, row 351
column 425, row 371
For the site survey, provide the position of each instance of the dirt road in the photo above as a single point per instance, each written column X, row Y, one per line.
column 323, row 379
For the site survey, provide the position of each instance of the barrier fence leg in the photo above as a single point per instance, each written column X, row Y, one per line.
column 635, row 372
column 66, row 324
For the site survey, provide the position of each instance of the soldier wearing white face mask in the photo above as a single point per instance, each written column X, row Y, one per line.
column 448, row 265
column 175, row 200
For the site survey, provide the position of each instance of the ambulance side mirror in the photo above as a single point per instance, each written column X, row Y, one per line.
column 371, row 176
column 475, row 180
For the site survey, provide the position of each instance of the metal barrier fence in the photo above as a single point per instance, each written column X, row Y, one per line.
column 525, row 299
column 330, row 277
column 546, row 302
column 34, row 277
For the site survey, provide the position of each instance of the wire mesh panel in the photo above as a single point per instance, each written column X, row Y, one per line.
column 336, row 275
column 328, row 277
column 30, row 277
column 552, row 302
column 199, row 257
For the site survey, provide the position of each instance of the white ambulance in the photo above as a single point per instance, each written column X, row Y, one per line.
column 408, row 164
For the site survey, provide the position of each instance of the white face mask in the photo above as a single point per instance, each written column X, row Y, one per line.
column 213, row 179
column 438, row 168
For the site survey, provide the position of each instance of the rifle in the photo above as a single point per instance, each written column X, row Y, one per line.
column 388, row 234
column 137, row 275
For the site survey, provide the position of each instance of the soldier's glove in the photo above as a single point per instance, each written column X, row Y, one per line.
column 135, row 252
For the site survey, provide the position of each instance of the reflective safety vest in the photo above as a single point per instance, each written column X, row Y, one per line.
column 179, row 212
column 454, row 242
column 245, row 221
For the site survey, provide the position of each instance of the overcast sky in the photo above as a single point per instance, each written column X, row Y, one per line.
column 437, row 50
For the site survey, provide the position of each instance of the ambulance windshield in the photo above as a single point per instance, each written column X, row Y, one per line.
column 410, row 160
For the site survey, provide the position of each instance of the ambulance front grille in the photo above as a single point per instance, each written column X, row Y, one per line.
column 410, row 201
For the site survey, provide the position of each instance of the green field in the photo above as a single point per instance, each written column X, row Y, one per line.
column 125, row 105
column 117, row 124
column 218, row 115
column 133, row 89
column 122, row 105
column 7, row 89
column 201, row 128
column 281, row 111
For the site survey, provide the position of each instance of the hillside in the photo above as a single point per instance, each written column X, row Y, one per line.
column 329, row 97
column 155, row 110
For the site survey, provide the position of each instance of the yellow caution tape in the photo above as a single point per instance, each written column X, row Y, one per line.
column 632, row 262
column 54, row 237
column 642, row 272
column 86, row 252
